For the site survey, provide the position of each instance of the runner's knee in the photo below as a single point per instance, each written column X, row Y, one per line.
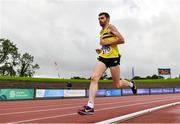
column 94, row 78
column 117, row 84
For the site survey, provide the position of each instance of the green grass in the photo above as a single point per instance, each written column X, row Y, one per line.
column 28, row 79
column 159, row 81
column 58, row 80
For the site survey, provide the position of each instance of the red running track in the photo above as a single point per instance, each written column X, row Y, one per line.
column 65, row 110
column 167, row 115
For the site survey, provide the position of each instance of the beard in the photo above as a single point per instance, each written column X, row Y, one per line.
column 102, row 24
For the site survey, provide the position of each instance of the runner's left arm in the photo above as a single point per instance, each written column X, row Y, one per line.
column 120, row 39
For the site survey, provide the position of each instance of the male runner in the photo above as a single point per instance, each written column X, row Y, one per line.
column 109, row 57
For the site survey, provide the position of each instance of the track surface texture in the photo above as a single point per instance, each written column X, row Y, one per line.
column 65, row 110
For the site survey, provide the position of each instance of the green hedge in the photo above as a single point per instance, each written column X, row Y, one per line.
column 29, row 79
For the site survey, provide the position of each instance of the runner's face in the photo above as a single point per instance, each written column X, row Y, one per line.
column 102, row 20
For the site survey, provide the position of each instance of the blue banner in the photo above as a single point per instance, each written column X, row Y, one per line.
column 101, row 92
column 168, row 90
column 43, row 93
column 177, row 90
column 156, row 91
column 54, row 93
column 143, row 91
column 113, row 92
column 127, row 92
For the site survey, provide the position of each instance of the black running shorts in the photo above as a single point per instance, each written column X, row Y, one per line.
column 110, row 62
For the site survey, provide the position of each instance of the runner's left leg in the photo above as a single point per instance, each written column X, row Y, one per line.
column 119, row 83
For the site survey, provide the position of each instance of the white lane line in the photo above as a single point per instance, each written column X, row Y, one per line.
column 136, row 114
column 49, row 117
column 139, row 97
column 51, row 109
column 44, row 110
column 37, row 107
column 46, row 106
column 64, row 105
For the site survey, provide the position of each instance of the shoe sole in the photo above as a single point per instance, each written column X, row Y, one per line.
column 86, row 113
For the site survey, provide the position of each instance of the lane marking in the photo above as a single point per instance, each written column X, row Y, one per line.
column 21, row 112
column 73, row 100
column 49, row 117
column 53, row 105
column 43, row 110
column 69, row 104
column 136, row 114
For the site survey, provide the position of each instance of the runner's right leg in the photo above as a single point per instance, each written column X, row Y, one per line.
column 97, row 73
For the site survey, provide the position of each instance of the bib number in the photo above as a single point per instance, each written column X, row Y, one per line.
column 106, row 49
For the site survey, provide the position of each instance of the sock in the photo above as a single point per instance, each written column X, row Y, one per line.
column 90, row 104
column 130, row 84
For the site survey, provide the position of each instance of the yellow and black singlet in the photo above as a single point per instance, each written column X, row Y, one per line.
column 108, row 51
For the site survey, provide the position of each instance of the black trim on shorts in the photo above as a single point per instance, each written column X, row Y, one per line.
column 110, row 62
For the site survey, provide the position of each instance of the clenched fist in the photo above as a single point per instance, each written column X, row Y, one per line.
column 98, row 51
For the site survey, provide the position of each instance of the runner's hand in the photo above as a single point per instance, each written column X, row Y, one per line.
column 98, row 51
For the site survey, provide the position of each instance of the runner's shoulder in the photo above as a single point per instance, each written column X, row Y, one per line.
column 111, row 26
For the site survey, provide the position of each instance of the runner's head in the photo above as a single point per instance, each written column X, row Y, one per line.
column 103, row 18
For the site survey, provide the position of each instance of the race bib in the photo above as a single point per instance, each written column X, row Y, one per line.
column 106, row 49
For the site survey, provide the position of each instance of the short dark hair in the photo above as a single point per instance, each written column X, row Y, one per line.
column 104, row 13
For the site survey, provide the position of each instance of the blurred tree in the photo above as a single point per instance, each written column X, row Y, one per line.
column 136, row 77
column 26, row 65
column 12, row 63
column 77, row 77
column 8, row 57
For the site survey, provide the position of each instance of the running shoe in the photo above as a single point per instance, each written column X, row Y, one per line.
column 134, row 88
column 86, row 110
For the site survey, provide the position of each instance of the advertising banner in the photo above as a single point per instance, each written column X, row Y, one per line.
column 177, row 90
column 156, row 91
column 49, row 93
column 100, row 92
column 113, row 92
column 164, row 71
column 16, row 94
column 168, row 90
column 127, row 92
column 74, row 93
column 142, row 91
